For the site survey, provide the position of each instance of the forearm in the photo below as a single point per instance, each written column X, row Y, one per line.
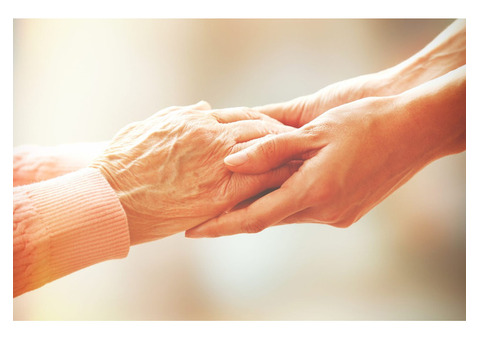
column 445, row 53
column 32, row 163
column 433, row 116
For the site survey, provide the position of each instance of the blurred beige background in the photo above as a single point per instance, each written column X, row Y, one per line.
column 82, row 80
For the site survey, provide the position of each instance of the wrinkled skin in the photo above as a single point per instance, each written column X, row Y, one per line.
column 168, row 170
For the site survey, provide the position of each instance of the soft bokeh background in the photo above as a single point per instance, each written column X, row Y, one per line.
column 82, row 80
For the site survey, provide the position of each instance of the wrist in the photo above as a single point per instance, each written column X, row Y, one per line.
column 129, row 193
column 433, row 115
column 401, row 77
column 408, row 74
column 444, row 54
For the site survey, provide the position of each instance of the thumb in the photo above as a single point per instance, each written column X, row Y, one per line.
column 201, row 105
column 289, row 112
column 268, row 153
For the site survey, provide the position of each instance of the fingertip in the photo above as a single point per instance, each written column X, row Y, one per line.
column 236, row 159
column 206, row 229
column 245, row 164
column 197, row 232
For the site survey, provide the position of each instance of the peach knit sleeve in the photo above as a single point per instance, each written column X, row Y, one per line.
column 34, row 163
column 65, row 224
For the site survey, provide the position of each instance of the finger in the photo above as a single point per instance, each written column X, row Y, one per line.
column 289, row 112
column 298, row 157
column 261, row 214
column 246, row 130
column 304, row 216
column 236, row 114
column 247, row 186
column 270, row 152
column 250, row 200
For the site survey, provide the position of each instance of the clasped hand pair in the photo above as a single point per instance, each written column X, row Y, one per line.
column 328, row 157
column 206, row 171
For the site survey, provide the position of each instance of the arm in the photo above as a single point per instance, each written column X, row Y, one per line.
column 32, row 163
column 63, row 225
column 444, row 54
column 355, row 155
column 157, row 177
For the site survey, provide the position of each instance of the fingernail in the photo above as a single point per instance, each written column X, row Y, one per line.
column 236, row 159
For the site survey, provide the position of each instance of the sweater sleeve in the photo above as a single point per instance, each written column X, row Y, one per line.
column 65, row 224
column 34, row 163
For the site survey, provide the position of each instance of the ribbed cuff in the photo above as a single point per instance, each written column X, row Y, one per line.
column 83, row 221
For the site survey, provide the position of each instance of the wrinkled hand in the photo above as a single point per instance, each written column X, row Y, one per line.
column 354, row 156
column 168, row 170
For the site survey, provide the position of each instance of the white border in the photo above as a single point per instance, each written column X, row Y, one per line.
column 249, row 9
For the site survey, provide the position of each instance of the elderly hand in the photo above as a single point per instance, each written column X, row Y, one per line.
column 168, row 170
column 355, row 156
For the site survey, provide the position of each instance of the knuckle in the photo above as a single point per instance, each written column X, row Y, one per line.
column 300, row 105
column 249, row 113
column 234, row 147
column 343, row 224
column 216, row 116
column 332, row 216
column 339, row 217
column 268, row 147
column 312, row 131
column 213, row 232
column 253, row 225
column 329, row 192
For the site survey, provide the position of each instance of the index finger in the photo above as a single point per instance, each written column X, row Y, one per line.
column 235, row 114
column 261, row 214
